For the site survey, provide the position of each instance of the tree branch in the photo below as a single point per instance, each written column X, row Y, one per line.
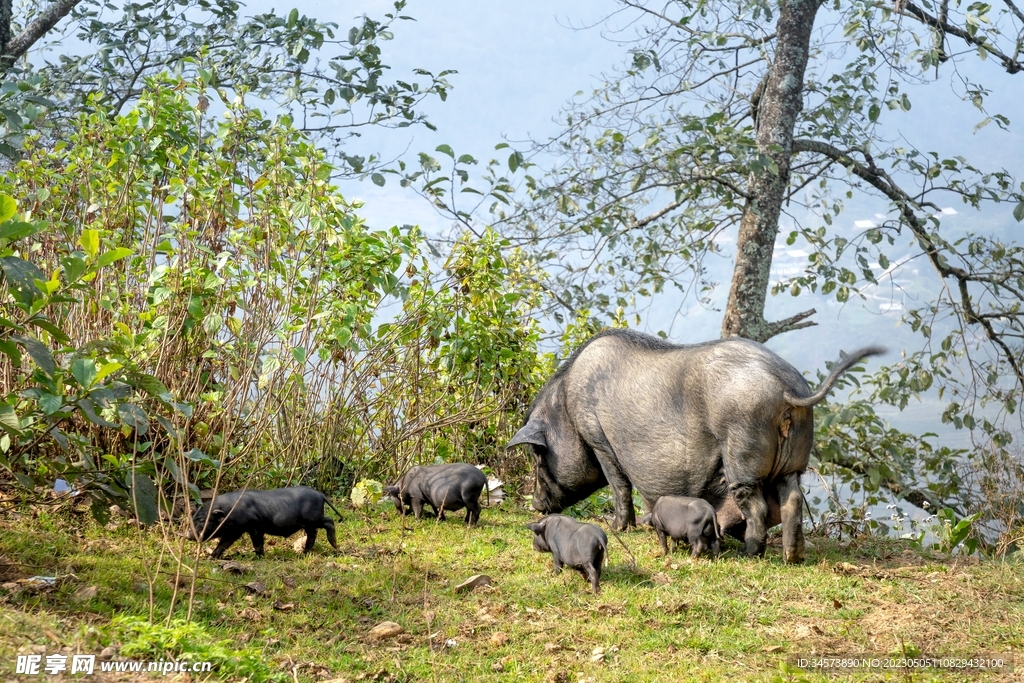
column 1012, row 65
column 36, row 29
column 881, row 181
column 795, row 322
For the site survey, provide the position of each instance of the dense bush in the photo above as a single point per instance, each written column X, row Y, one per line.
column 188, row 301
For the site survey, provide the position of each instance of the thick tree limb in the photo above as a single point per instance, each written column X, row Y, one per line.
column 36, row 29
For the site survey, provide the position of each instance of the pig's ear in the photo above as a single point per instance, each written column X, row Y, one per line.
column 646, row 519
column 391, row 490
column 533, row 432
column 535, row 527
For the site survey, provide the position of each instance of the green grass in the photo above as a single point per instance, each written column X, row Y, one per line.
column 664, row 620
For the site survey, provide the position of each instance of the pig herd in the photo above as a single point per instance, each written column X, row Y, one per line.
column 713, row 436
column 445, row 488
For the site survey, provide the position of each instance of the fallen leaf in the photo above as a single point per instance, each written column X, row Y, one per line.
column 771, row 649
column 385, row 629
column 498, row 639
column 661, row 579
column 300, row 543
column 86, row 593
column 251, row 614
column 473, row 582
column 497, row 667
column 597, row 655
column 257, row 587
column 802, row 632
column 233, row 567
column 837, row 604
column 283, row 606
column 288, row 581
column 552, row 647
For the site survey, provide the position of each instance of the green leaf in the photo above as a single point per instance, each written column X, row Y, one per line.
column 21, row 276
column 299, row 354
column 90, row 241
column 1018, row 212
column 10, row 349
column 873, row 111
column 515, row 160
column 50, row 403
column 134, row 416
column 212, row 323
column 150, row 384
column 16, row 230
column 8, row 207
column 106, row 369
column 9, row 421
column 108, row 257
column 100, row 510
column 84, row 370
column 39, row 353
column 56, row 332
column 143, row 496
column 377, row 179
column 88, row 407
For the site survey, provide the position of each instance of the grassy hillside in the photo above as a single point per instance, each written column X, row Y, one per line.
column 306, row 618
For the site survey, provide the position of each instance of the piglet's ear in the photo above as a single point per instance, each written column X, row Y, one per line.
column 391, row 490
column 533, row 432
column 646, row 519
column 535, row 527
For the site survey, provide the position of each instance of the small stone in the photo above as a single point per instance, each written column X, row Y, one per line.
column 283, row 606
column 257, row 587
column 552, row 647
column 300, row 544
column 497, row 666
column 385, row 629
column 107, row 653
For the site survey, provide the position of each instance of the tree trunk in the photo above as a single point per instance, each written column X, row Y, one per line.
column 775, row 117
column 6, row 16
column 17, row 46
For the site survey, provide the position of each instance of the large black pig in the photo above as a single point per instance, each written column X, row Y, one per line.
column 685, row 519
column 278, row 512
column 728, row 421
column 577, row 545
column 445, row 488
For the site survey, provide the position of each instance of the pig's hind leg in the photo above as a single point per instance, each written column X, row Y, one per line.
column 311, row 538
column 592, row 574
column 472, row 512
column 258, row 538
